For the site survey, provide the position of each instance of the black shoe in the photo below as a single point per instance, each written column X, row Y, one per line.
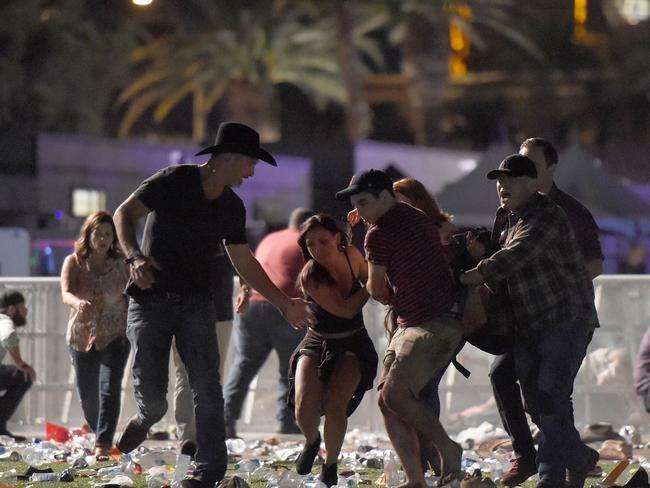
column 17, row 438
column 329, row 474
column 132, row 436
column 576, row 477
column 188, row 447
column 289, row 428
column 549, row 483
column 306, row 458
column 195, row 483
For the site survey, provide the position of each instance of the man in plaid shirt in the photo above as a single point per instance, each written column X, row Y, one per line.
column 550, row 309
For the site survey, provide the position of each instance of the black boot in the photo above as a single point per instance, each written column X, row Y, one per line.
column 307, row 457
column 329, row 474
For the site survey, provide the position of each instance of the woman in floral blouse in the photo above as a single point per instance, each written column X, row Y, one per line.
column 93, row 279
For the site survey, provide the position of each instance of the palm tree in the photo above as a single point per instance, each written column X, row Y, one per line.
column 39, row 81
column 240, row 57
column 421, row 29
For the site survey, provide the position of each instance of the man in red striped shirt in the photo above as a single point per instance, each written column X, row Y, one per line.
column 408, row 270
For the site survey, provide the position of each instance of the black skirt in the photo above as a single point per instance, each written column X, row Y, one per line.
column 330, row 352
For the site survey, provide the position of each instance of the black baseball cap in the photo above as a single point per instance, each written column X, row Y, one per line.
column 514, row 165
column 372, row 181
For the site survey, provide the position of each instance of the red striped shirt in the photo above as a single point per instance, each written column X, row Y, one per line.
column 407, row 243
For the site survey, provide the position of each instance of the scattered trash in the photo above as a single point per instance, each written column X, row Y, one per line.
column 269, row 462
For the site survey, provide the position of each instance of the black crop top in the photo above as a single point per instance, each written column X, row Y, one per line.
column 329, row 323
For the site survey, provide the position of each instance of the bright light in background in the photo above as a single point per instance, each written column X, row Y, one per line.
column 634, row 11
column 467, row 165
column 142, row 2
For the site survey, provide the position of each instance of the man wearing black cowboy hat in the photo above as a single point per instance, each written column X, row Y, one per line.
column 190, row 209
column 549, row 309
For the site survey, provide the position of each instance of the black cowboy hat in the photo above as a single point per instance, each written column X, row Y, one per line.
column 240, row 139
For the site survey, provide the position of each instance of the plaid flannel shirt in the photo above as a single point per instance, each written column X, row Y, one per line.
column 541, row 268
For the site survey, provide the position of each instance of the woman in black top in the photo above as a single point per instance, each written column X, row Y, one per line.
column 336, row 362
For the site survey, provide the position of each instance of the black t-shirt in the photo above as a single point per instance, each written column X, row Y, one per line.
column 184, row 230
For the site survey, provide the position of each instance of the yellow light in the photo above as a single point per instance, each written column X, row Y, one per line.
column 456, row 37
column 580, row 11
column 457, row 67
column 142, row 3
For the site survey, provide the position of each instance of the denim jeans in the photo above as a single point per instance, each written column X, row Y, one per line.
column 509, row 403
column 15, row 385
column 183, row 402
column 99, row 383
column 260, row 330
column 153, row 322
column 546, row 366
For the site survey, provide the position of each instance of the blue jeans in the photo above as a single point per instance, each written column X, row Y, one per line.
column 546, row 366
column 99, row 383
column 152, row 323
column 15, row 385
column 507, row 394
column 260, row 330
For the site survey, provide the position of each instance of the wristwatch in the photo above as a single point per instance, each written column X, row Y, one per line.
column 133, row 257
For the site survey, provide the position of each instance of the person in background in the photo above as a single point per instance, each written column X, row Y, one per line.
column 635, row 259
column 642, row 370
column 336, row 362
column 93, row 278
column 413, row 192
column 15, row 380
column 263, row 329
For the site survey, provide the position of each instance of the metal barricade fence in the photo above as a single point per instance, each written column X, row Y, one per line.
column 623, row 304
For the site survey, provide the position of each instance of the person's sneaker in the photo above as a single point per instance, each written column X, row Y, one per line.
column 188, row 447
column 102, row 453
column 576, row 478
column 289, row 428
column 17, row 438
column 132, row 436
column 522, row 468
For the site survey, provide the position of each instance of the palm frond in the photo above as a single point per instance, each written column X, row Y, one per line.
column 168, row 103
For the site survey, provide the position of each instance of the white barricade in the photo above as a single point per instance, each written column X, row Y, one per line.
column 604, row 389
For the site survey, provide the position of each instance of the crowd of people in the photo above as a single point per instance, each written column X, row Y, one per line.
column 522, row 291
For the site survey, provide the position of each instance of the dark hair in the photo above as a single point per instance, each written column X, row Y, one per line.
column 484, row 236
column 550, row 153
column 313, row 270
column 418, row 194
column 9, row 298
column 92, row 222
column 298, row 217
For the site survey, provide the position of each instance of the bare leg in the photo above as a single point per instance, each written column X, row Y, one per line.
column 342, row 385
column 406, row 443
column 309, row 397
column 399, row 399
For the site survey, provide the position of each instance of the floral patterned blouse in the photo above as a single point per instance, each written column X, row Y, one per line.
column 106, row 292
